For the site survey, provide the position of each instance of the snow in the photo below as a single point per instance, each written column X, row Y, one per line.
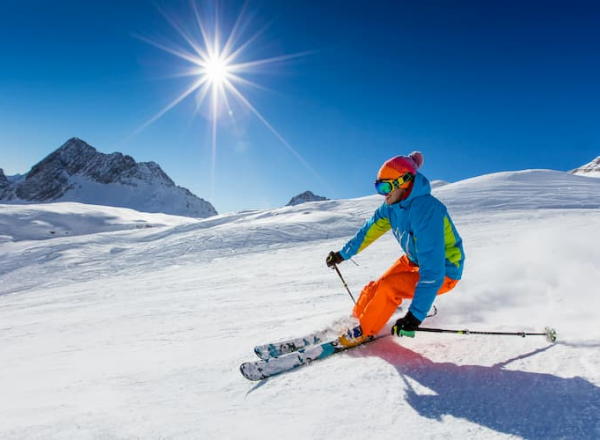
column 117, row 331
column 592, row 173
column 42, row 221
column 148, row 196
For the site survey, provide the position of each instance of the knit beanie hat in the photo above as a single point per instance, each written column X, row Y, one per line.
column 400, row 165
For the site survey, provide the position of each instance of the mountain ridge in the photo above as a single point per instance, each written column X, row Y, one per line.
column 77, row 172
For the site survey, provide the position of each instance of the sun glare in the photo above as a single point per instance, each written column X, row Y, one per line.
column 218, row 66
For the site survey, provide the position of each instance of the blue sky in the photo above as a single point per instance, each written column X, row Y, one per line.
column 478, row 87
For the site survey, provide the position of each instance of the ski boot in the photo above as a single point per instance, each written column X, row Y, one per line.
column 352, row 337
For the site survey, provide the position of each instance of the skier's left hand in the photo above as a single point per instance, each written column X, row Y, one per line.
column 406, row 326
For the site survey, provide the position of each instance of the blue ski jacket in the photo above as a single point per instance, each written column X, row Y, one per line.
column 426, row 233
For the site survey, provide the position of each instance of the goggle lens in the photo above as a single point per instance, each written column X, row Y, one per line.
column 384, row 187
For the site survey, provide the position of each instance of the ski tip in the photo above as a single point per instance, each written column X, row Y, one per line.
column 251, row 372
column 247, row 370
column 258, row 351
column 550, row 334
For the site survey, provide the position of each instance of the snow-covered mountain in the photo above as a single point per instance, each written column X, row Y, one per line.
column 76, row 172
column 306, row 196
column 119, row 332
column 591, row 169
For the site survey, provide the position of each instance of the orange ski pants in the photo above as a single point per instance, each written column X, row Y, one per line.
column 379, row 299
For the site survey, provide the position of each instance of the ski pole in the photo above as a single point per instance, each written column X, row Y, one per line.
column 549, row 333
column 344, row 282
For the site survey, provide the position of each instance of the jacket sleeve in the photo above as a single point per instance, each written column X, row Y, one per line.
column 427, row 221
column 374, row 228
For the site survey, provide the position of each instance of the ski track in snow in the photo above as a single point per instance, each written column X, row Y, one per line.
column 138, row 333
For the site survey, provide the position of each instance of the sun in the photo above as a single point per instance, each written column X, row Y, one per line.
column 216, row 70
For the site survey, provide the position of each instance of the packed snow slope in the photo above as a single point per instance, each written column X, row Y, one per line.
column 43, row 221
column 114, row 331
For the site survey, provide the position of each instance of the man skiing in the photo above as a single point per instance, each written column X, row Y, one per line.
column 433, row 258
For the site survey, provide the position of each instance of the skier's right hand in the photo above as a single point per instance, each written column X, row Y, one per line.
column 333, row 258
column 406, row 326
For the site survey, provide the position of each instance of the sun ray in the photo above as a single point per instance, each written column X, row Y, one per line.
column 170, row 106
column 178, row 52
column 231, row 39
column 244, row 67
column 205, row 36
column 202, row 95
column 232, row 78
column 266, row 123
column 183, row 34
column 231, row 57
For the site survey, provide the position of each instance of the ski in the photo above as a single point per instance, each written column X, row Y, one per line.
column 265, row 368
column 277, row 349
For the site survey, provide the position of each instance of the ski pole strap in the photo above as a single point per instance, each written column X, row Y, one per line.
column 432, row 313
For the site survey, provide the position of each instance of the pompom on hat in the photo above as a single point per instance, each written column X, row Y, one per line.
column 400, row 165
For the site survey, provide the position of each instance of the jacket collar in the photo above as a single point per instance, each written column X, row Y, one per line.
column 420, row 187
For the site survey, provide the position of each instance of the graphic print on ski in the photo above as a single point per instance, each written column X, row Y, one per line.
column 270, row 367
column 276, row 349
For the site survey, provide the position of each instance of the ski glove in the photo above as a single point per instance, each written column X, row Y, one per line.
column 406, row 326
column 333, row 258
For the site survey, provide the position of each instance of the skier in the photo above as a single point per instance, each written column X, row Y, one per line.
column 433, row 258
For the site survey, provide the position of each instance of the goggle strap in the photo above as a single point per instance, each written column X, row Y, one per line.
column 402, row 180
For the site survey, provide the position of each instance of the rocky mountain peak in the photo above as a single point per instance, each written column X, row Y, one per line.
column 75, row 147
column 306, row 196
column 70, row 157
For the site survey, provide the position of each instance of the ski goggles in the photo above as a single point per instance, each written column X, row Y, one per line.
column 384, row 186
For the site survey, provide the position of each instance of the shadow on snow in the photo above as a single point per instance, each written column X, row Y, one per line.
column 526, row 404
